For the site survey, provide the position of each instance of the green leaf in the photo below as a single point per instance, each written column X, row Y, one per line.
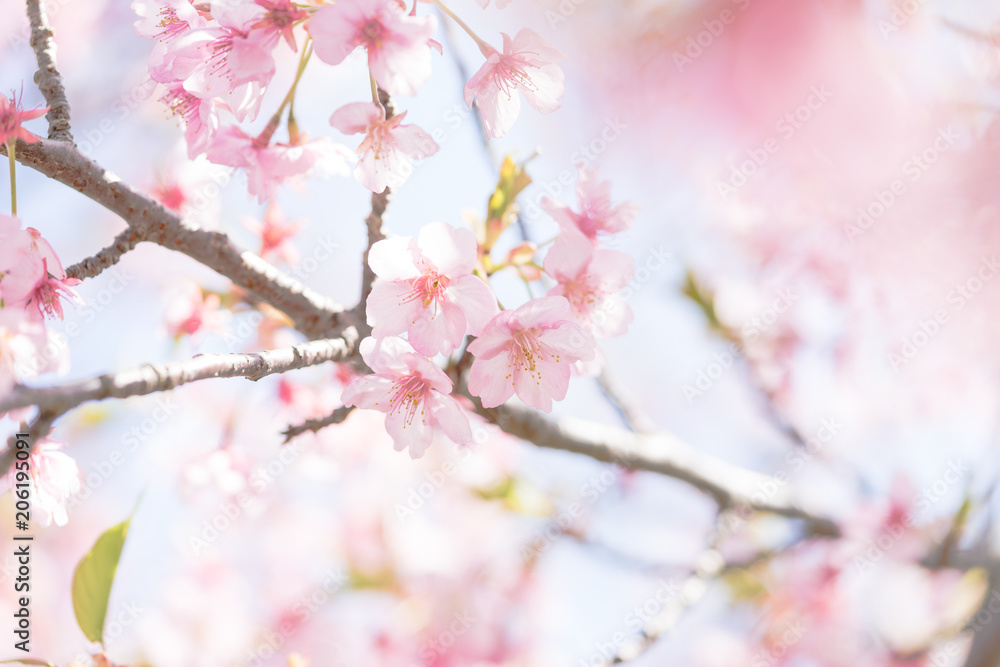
column 93, row 579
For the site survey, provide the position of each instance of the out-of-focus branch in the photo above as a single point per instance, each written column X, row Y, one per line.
column 313, row 314
column 106, row 258
column 47, row 77
column 732, row 487
column 710, row 565
column 633, row 418
column 314, row 425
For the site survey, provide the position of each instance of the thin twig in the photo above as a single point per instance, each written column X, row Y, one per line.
column 315, row 425
column 106, row 258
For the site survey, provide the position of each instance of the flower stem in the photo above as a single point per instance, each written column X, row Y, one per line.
column 265, row 137
column 484, row 46
column 13, row 178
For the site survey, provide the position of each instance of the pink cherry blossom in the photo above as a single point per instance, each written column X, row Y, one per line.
column 597, row 215
column 280, row 18
column 591, row 278
column 269, row 165
column 200, row 116
column 191, row 310
column 412, row 391
column 388, row 149
column 165, row 20
column 21, row 269
column 526, row 64
column 397, row 44
column 276, row 235
column 426, row 289
column 46, row 296
column 53, row 477
column 529, row 351
column 11, row 117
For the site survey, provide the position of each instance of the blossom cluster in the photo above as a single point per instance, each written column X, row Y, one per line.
column 216, row 61
column 435, row 291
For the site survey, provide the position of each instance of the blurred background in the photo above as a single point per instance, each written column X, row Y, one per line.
column 816, row 299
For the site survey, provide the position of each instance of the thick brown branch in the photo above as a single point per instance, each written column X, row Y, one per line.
column 314, row 425
column 106, row 258
column 47, row 77
column 313, row 314
column 152, row 378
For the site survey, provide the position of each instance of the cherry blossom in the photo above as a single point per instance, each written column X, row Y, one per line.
column 269, row 165
column 276, row 234
column 597, row 215
column 200, row 116
column 11, row 117
column 191, row 311
column 591, row 279
column 388, row 149
column 527, row 64
column 397, row 44
column 54, row 284
column 21, row 268
column 426, row 289
column 53, row 477
column 280, row 18
column 165, row 20
column 529, row 351
column 412, row 391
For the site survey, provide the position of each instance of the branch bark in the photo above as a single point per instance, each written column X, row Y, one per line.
column 47, row 78
column 106, row 258
column 151, row 378
column 732, row 487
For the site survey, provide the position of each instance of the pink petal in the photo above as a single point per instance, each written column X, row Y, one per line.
column 452, row 251
column 570, row 341
column 371, row 392
column 549, row 381
column 476, row 300
column 388, row 310
column 357, row 117
column 547, row 88
column 415, row 434
column 496, row 336
column 449, row 417
column 334, row 31
column 569, row 255
column 386, row 355
column 438, row 329
column 490, row 380
column 544, row 311
column 392, row 258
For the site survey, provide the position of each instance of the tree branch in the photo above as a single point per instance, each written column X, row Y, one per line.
column 151, row 378
column 314, row 425
column 106, row 258
column 314, row 315
column 732, row 487
column 47, row 78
